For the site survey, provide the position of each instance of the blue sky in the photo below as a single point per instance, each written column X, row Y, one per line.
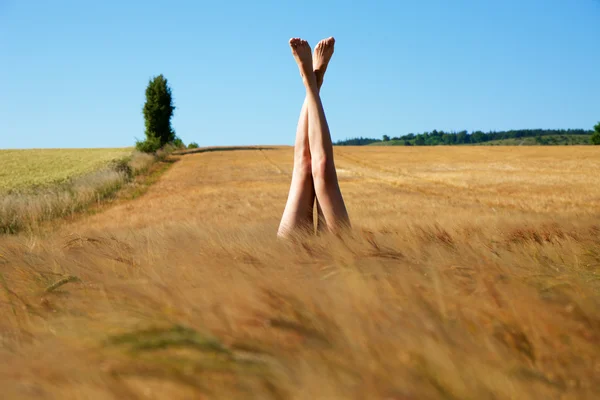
column 74, row 72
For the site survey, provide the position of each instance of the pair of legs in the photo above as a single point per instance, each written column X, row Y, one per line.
column 314, row 175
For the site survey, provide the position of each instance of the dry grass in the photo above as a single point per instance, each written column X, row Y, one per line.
column 471, row 273
column 24, row 207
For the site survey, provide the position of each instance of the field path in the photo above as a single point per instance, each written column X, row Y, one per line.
column 254, row 184
column 199, row 187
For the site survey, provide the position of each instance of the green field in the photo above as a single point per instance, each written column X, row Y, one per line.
column 41, row 167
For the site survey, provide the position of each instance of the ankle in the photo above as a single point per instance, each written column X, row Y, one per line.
column 310, row 82
column 319, row 74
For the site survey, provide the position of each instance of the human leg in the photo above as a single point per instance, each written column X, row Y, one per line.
column 299, row 208
column 323, row 170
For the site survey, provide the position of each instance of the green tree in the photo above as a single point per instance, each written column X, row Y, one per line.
column 178, row 143
column 477, row 137
column 596, row 136
column 158, row 111
column 448, row 138
column 386, row 138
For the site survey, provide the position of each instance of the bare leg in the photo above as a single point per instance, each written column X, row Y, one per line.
column 325, row 181
column 298, row 213
column 299, row 209
column 321, row 57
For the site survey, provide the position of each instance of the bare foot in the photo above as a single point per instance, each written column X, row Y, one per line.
column 302, row 54
column 321, row 57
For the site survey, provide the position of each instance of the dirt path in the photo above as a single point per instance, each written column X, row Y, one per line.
column 198, row 187
column 252, row 184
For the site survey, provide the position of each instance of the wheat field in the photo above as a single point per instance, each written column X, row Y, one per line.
column 22, row 169
column 470, row 273
column 39, row 185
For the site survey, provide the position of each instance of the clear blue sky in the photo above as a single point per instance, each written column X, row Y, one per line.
column 74, row 72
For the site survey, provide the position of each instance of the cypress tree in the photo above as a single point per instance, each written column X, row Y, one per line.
column 158, row 111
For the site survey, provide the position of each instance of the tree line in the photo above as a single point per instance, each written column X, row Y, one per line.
column 436, row 138
column 158, row 111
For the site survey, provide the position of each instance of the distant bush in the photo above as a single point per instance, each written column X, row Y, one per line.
column 178, row 143
column 122, row 166
column 356, row 142
column 164, row 152
column 596, row 136
column 150, row 145
column 193, row 145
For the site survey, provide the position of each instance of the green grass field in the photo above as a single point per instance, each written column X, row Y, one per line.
column 21, row 169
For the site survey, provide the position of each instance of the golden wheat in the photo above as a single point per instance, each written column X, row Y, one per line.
column 470, row 273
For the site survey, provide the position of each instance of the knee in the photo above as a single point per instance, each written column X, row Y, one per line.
column 320, row 169
column 303, row 164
